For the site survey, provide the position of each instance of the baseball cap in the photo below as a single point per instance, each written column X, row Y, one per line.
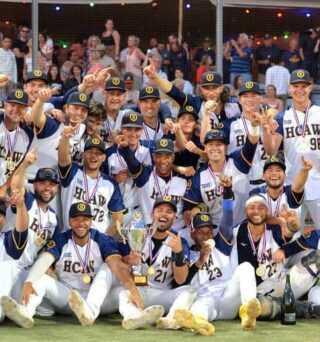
column 132, row 119
column 46, row 174
column 267, row 36
column 188, row 110
column 149, row 92
column 128, row 77
column 249, row 87
column 115, row 83
column 80, row 209
column 3, row 207
column 37, row 75
column 202, row 220
column 94, row 143
column 166, row 199
column 206, row 40
column 216, row 134
column 210, row 78
column 164, row 146
column 300, row 75
column 79, row 99
column 278, row 160
column 256, row 198
column 18, row 96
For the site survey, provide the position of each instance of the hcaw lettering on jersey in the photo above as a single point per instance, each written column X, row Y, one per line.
column 70, row 266
column 212, row 194
column 81, row 195
column 45, row 232
column 295, row 131
column 17, row 156
column 213, row 271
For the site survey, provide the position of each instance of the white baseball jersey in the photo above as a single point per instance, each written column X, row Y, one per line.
column 151, row 134
column 111, row 125
column 72, row 260
column 115, row 163
column 291, row 127
column 228, row 111
column 103, row 195
column 13, row 144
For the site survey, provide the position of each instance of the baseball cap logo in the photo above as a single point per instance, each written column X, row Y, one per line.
column 133, row 117
column 189, row 108
column 204, row 218
column 83, row 97
column 149, row 90
column 300, row 74
column 249, row 85
column 167, row 198
column 48, row 172
column 37, row 73
column 137, row 215
column 95, row 141
column 116, row 81
column 163, row 143
column 210, row 77
column 18, row 94
column 81, row 207
column 274, row 159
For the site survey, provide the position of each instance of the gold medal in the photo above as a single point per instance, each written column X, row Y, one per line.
column 38, row 240
column 260, row 271
column 151, row 271
column 11, row 165
column 86, row 278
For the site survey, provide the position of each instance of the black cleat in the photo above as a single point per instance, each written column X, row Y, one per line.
column 312, row 258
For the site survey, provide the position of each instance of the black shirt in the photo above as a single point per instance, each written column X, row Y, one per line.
column 264, row 52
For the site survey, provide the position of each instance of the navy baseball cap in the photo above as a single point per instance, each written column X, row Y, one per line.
column 3, row 207
column 166, row 199
column 115, row 83
column 278, row 160
column 300, row 75
column 188, row 110
column 210, row 78
column 79, row 99
column 165, row 146
column 46, row 174
column 249, row 87
column 128, row 77
column 202, row 220
column 132, row 119
column 216, row 134
column 94, row 143
column 80, row 209
column 18, row 96
column 149, row 93
column 37, row 75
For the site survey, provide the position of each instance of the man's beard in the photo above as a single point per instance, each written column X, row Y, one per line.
column 41, row 199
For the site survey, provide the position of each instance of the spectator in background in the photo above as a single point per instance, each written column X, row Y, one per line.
column 20, row 49
column 8, row 63
column 27, row 67
column 92, row 44
column 187, row 86
column 234, row 92
column 105, row 60
column 153, row 45
column 55, row 80
column 46, row 51
column 111, row 40
column 263, row 55
column 309, row 51
column 94, row 62
column 204, row 50
column 291, row 58
column 240, row 56
column 165, row 55
column 131, row 60
column 73, row 59
column 272, row 101
column 178, row 59
column 74, row 79
column 157, row 60
column 132, row 95
column 78, row 48
column 205, row 66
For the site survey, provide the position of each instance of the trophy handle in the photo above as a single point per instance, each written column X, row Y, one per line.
column 119, row 229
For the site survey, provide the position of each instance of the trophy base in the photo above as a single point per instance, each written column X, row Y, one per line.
column 140, row 280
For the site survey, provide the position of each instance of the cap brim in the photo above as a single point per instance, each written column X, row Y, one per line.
column 165, row 202
column 283, row 167
column 250, row 91
column 42, row 179
column 132, row 126
column 300, row 81
column 37, row 78
column 210, row 84
column 193, row 114
column 80, row 214
column 115, row 88
column 17, row 102
column 207, row 140
column 164, row 151
column 205, row 224
column 78, row 104
column 99, row 148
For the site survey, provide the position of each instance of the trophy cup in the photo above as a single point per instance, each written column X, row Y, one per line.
column 137, row 235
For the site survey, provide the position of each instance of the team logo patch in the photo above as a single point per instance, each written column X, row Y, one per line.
column 249, row 85
column 81, row 207
column 137, row 215
column 167, row 198
column 189, row 183
column 133, row 117
column 18, row 94
column 189, row 108
column 274, row 159
column 163, row 143
column 300, row 74
column 51, row 244
column 83, row 97
column 116, row 81
column 95, row 141
column 37, row 73
column 209, row 77
column 149, row 90
column 204, row 218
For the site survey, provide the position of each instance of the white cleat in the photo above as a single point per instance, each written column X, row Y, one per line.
column 16, row 312
column 80, row 308
column 168, row 323
column 144, row 318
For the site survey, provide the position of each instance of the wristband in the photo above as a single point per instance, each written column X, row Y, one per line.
column 254, row 131
column 227, row 193
column 180, row 260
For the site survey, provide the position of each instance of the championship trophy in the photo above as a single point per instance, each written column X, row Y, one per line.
column 137, row 235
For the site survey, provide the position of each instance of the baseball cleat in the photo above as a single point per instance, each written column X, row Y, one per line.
column 80, row 308
column 193, row 322
column 168, row 323
column 248, row 313
column 16, row 312
column 143, row 318
column 312, row 258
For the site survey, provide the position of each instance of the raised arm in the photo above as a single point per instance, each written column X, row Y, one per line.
column 64, row 153
column 302, row 176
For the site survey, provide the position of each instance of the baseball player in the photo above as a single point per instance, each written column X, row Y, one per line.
column 77, row 255
column 12, row 244
column 205, row 187
column 299, row 133
column 86, row 183
column 160, row 180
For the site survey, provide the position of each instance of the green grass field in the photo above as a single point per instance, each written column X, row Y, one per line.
column 108, row 329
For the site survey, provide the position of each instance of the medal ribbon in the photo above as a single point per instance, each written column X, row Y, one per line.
column 86, row 187
column 245, row 126
column 156, row 181
column 155, row 133
column 212, row 173
column 122, row 163
column 153, row 258
column 11, row 146
column 305, row 121
column 253, row 247
column 107, row 126
column 40, row 224
column 269, row 199
column 84, row 264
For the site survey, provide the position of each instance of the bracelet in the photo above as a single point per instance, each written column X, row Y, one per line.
column 180, row 259
column 254, row 131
